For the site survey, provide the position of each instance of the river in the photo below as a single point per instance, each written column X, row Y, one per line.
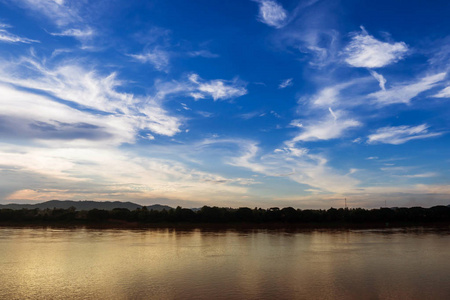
column 52, row 263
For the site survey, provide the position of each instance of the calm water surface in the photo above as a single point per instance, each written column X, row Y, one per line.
column 257, row 264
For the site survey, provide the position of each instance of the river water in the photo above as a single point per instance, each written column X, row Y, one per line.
column 49, row 263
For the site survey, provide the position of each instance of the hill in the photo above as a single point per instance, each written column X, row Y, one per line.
column 84, row 205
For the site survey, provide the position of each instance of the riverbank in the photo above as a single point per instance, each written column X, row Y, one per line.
column 117, row 224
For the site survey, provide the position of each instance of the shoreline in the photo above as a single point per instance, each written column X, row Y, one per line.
column 113, row 224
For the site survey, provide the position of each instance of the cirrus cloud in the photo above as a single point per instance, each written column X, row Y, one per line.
column 367, row 52
column 271, row 13
column 396, row 135
column 445, row 93
column 217, row 89
column 331, row 127
column 405, row 92
column 8, row 37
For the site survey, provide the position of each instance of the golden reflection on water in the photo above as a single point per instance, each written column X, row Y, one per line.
column 257, row 264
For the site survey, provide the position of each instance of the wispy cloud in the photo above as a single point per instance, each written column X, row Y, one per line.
column 199, row 88
column 81, row 89
column 445, row 93
column 220, row 90
column 311, row 31
column 319, row 44
column 286, row 83
column 294, row 163
column 332, row 126
column 327, row 96
column 397, row 135
column 422, row 175
column 104, row 172
column 29, row 116
column 403, row 93
column 59, row 11
column 77, row 33
column 331, row 95
column 7, row 37
column 158, row 57
column 72, row 19
column 254, row 114
column 271, row 13
column 380, row 78
column 217, row 89
column 367, row 52
column 203, row 53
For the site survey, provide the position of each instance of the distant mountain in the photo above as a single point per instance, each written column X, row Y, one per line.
column 84, row 205
column 158, row 207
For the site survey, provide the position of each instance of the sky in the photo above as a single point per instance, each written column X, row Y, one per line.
column 256, row 103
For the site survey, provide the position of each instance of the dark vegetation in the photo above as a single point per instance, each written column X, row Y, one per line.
column 218, row 215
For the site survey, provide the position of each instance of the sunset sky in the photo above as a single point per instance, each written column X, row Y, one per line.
column 229, row 103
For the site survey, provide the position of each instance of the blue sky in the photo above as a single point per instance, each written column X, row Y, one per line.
column 229, row 103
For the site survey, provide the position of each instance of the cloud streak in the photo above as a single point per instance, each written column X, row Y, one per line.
column 77, row 33
column 396, row 135
column 404, row 93
column 331, row 127
column 445, row 93
column 380, row 78
column 7, row 37
column 286, row 83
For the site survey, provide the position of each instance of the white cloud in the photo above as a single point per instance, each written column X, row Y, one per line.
column 71, row 17
column 445, row 93
column 217, row 89
column 83, row 89
column 333, row 126
column 185, row 107
column 203, row 53
column 197, row 96
column 332, row 113
column 405, row 92
column 195, row 78
column 157, row 57
column 109, row 173
column 31, row 116
column 70, row 81
column 367, row 52
column 422, row 175
column 326, row 96
column 60, row 12
column 271, row 13
column 331, row 95
column 7, row 37
column 380, row 78
column 77, row 33
column 198, row 88
column 397, row 135
column 294, row 163
column 286, row 83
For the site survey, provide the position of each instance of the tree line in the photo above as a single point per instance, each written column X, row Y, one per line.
column 219, row 215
